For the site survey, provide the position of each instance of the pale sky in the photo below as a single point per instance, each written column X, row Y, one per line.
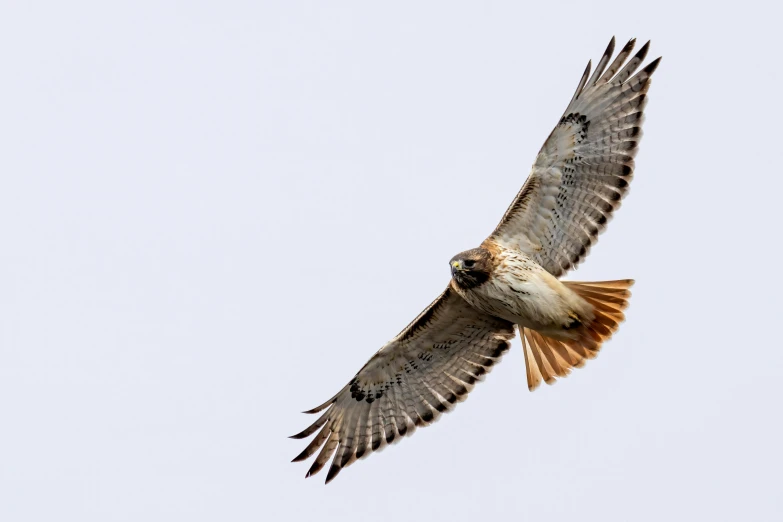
column 213, row 213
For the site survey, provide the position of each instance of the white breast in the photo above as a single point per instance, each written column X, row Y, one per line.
column 522, row 292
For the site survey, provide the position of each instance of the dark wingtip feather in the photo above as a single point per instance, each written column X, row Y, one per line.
column 627, row 48
column 599, row 69
column 333, row 471
column 327, row 403
column 650, row 68
column 609, row 51
column 582, row 82
column 318, row 408
column 585, row 75
column 304, row 433
column 311, row 428
column 315, row 468
column 642, row 54
column 302, row 456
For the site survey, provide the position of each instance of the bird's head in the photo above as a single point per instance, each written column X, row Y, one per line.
column 471, row 268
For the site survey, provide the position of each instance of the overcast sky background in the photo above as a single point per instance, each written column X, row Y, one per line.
column 212, row 214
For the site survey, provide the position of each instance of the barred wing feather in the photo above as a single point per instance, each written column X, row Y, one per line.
column 424, row 371
column 583, row 170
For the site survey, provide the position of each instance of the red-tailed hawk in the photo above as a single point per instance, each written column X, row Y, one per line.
column 578, row 180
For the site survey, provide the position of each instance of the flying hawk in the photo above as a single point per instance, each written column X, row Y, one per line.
column 578, row 180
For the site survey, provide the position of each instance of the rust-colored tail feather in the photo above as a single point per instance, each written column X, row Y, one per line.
column 547, row 358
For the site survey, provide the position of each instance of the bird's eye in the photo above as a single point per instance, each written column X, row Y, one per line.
column 469, row 263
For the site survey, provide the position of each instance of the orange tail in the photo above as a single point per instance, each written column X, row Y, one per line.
column 547, row 358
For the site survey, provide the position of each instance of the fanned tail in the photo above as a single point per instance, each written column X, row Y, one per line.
column 547, row 358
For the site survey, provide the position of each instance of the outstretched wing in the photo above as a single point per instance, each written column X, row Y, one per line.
column 424, row 371
column 583, row 170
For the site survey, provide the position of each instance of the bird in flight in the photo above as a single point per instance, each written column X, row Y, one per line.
column 578, row 180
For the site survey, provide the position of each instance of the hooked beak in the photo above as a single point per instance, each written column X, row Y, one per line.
column 456, row 266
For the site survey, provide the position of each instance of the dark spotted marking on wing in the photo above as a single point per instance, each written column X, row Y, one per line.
column 422, row 373
column 584, row 168
column 580, row 122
